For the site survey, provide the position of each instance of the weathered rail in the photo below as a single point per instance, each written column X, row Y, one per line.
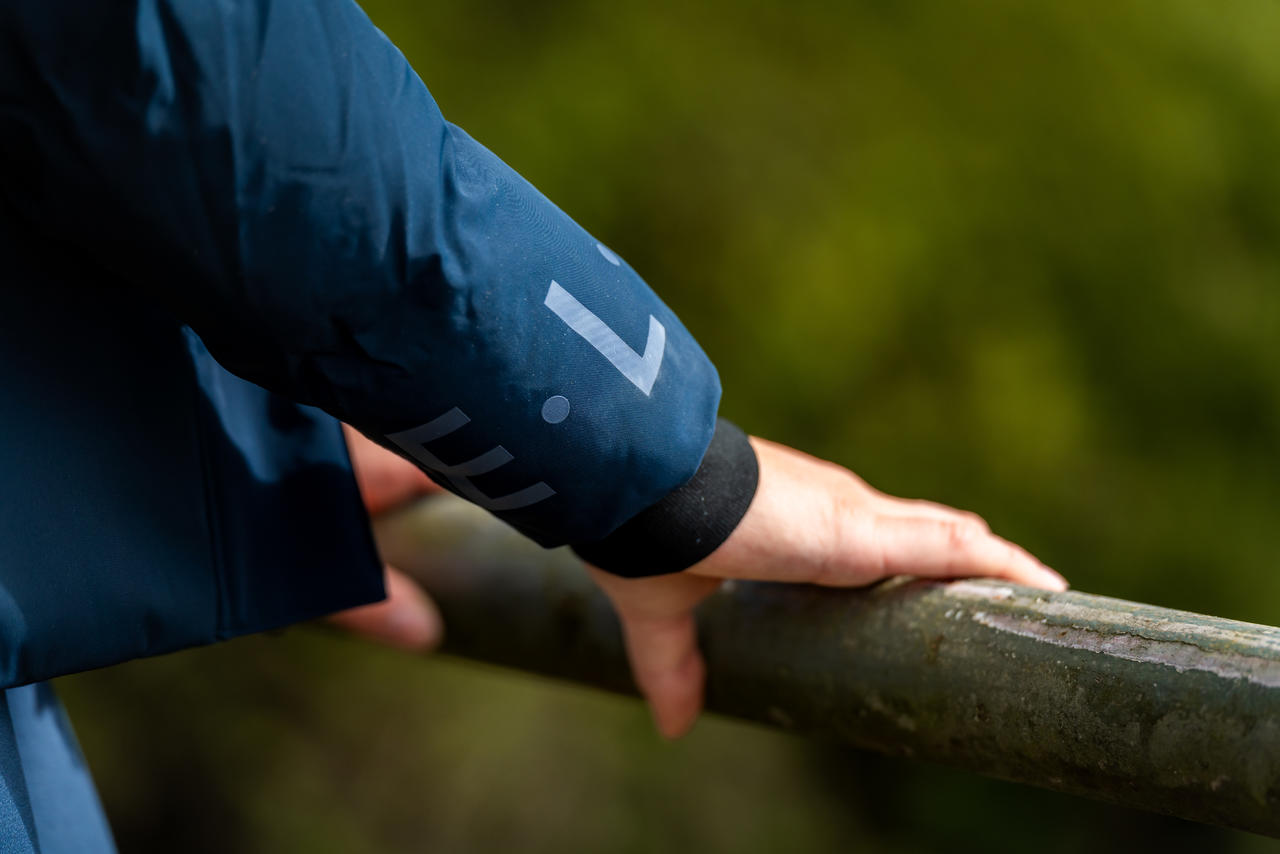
column 1141, row 706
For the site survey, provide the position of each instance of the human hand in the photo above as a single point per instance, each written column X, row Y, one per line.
column 812, row 522
column 407, row 618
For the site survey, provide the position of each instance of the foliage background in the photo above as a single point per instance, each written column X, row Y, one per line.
column 1021, row 258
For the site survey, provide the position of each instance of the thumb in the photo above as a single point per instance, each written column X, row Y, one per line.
column 667, row 668
column 661, row 637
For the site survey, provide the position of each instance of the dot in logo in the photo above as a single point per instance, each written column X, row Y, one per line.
column 556, row 409
column 609, row 255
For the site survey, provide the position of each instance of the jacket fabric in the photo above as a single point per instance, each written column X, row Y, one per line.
column 224, row 225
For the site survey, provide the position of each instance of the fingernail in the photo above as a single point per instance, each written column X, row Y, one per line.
column 1062, row 584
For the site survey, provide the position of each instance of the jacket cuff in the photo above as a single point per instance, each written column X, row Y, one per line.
column 691, row 521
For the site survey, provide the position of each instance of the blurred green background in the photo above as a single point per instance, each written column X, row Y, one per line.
column 1021, row 258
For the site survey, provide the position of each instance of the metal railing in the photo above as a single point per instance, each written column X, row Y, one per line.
column 1136, row 705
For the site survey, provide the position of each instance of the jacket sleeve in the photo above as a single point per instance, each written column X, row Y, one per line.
column 273, row 173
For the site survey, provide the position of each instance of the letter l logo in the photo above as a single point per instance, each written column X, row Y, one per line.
column 642, row 371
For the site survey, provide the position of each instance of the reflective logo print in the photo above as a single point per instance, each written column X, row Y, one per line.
column 412, row 442
column 641, row 370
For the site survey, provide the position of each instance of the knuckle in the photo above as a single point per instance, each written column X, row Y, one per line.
column 834, row 531
column 870, row 547
column 845, row 534
column 960, row 535
column 848, row 483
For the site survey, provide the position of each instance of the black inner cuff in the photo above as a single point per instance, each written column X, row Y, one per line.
column 691, row 521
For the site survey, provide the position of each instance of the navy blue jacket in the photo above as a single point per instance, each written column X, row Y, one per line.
column 224, row 225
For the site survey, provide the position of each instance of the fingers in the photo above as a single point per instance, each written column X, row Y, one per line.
column 939, row 548
column 662, row 645
column 668, row 669
column 407, row 619
column 385, row 479
column 918, row 508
